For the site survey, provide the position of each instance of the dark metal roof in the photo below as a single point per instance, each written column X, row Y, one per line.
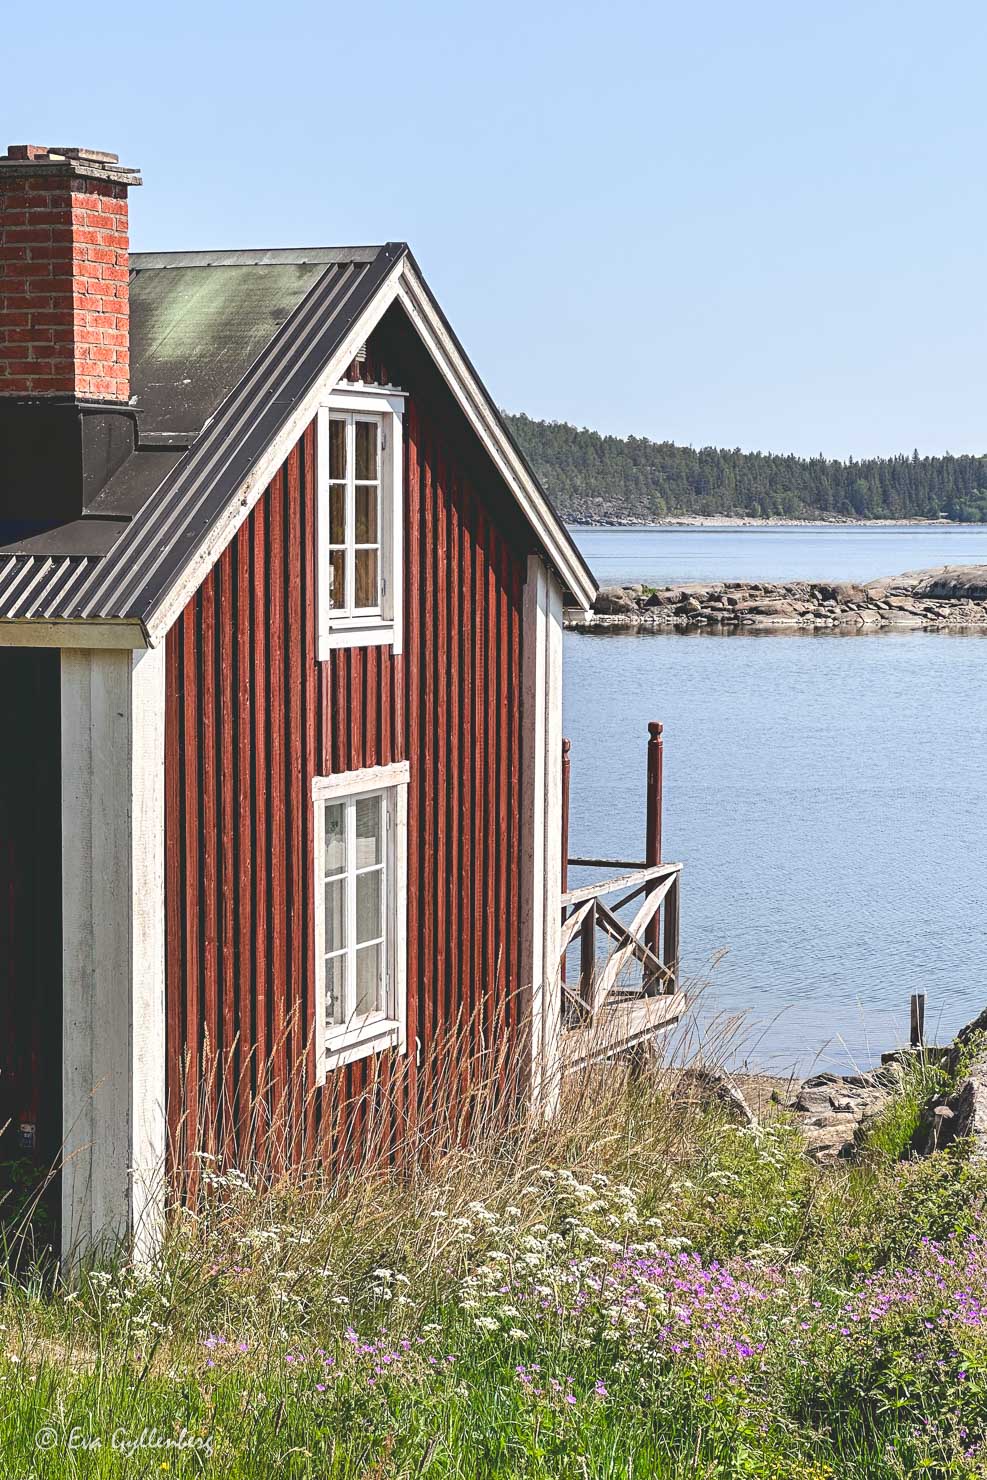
column 197, row 328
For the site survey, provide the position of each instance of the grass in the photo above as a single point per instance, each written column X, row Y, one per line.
column 639, row 1288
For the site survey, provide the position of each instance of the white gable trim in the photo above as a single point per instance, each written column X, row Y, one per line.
column 485, row 421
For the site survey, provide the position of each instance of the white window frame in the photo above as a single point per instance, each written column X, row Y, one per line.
column 383, row 628
column 335, row 1046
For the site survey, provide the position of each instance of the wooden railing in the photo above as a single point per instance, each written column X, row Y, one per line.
column 612, row 998
column 586, row 915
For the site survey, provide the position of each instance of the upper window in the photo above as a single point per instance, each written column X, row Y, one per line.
column 360, row 865
column 360, row 520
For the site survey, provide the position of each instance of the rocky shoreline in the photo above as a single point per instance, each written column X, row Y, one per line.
column 754, row 521
column 947, row 597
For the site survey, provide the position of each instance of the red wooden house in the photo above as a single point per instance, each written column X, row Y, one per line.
column 280, row 666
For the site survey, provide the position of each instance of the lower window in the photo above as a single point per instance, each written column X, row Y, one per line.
column 361, row 905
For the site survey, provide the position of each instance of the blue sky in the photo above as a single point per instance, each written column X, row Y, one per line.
column 757, row 225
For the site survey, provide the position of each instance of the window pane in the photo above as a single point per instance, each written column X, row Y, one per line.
column 369, row 831
column 337, row 514
column 336, row 915
column 368, row 905
column 369, row 987
column 335, row 838
column 366, row 516
column 337, row 449
column 366, row 578
column 335, row 978
column 366, row 449
column 337, row 578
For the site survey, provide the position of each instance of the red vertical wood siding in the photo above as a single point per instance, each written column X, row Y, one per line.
column 252, row 716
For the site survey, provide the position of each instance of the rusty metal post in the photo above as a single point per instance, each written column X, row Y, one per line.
column 652, row 840
column 566, row 767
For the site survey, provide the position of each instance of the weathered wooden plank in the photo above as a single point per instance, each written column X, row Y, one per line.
column 573, row 924
column 456, row 919
column 191, row 915
column 467, row 780
column 635, row 946
column 208, row 903
column 310, row 700
column 443, row 1006
column 613, row 926
column 259, row 799
column 175, row 902
column 587, row 957
column 429, row 799
column 622, row 881
column 619, row 1028
column 227, row 659
column 244, row 960
column 670, row 942
column 297, row 803
column 411, row 688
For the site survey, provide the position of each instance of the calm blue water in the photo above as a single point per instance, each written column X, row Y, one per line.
column 827, row 793
column 834, row 552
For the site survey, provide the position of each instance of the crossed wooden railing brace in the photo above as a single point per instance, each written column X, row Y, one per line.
column 586, row 914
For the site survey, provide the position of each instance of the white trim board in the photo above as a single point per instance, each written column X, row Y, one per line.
column 541, row 876
column 113, row 949
column 32, row 632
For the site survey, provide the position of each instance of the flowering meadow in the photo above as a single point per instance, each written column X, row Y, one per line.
column 636, row 1291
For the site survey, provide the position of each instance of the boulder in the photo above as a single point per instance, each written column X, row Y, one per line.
column 837, row 1107
column 955, row 583
column 771, row 609
column 840, row 592
column 614, row 601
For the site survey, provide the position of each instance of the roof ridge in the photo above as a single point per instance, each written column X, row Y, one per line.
column 254, row 257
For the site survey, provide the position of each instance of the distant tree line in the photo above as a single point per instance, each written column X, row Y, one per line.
column 596, row 478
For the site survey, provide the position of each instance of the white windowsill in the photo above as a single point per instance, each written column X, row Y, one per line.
column 373, row 633
column 344, row 1045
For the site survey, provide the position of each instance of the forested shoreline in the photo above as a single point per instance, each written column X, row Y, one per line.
column 602, row 479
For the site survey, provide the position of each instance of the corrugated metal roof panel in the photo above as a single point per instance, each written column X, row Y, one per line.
column 41, row 586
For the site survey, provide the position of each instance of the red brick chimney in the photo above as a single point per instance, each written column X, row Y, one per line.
column 64, row 297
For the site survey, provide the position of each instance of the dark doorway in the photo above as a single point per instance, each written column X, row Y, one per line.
column 30, row 930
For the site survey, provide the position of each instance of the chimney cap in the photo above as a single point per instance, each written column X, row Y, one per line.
column 98, row 156
column 70, row 159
